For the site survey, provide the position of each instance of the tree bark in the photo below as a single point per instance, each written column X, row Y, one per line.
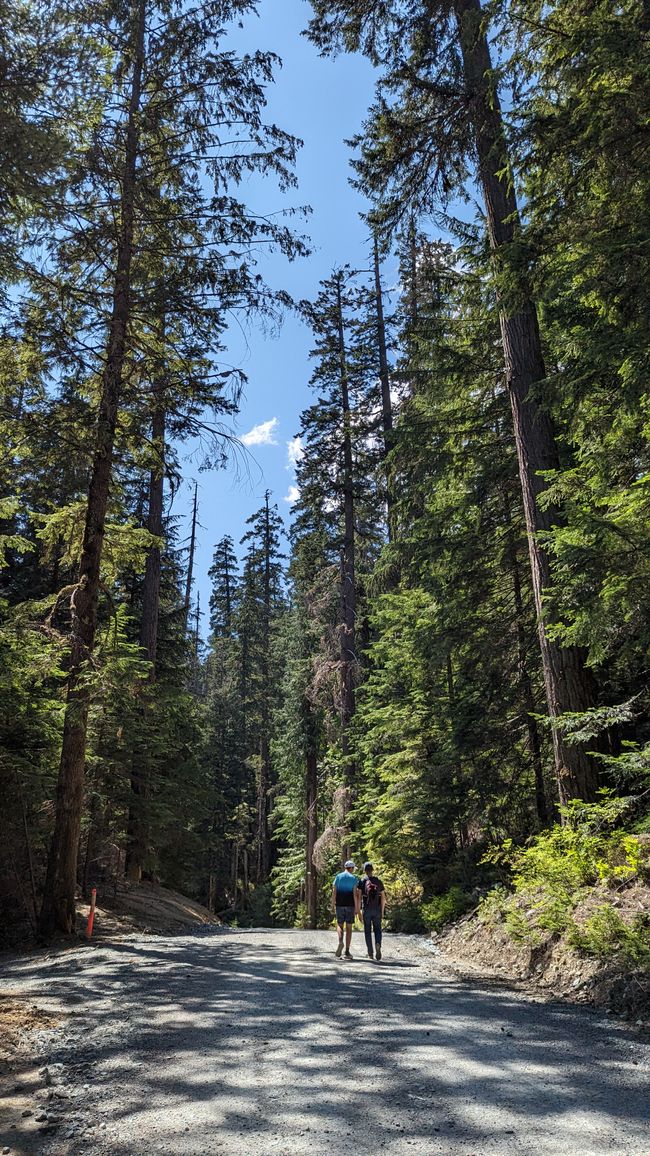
column 264, row 782
column 525, row 681
column 348, row 577
column 151, row 586
column 190, row 561
column 386, row 400
column 58, row 909
column 568, row 683
column 263, row 858
column 138, row 834
column 311, row 813
column 235, row 873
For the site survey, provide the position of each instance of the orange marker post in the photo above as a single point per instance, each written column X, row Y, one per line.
column 91, row 913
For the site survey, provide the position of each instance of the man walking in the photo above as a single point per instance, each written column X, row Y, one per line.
column 345, row 902
column 373, row 898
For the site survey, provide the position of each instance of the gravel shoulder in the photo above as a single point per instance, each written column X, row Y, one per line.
column 261, row 1042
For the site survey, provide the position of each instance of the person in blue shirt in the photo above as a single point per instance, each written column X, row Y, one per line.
column 346, row 904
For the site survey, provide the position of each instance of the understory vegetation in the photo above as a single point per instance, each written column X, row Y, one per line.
column 589, row 858
column 441, row 664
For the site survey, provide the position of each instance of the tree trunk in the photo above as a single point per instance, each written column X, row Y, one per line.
column 28, row 848
column 525, row 681
column 384, row 380
column 264, row 782
column 348, row 579
column 568, row 682
column 311, row 804
column 235, row 873
column 138, row 837
column 263, row 858
column 245, row 881
column 58, row 910
column 190, row 561
column 151, row 585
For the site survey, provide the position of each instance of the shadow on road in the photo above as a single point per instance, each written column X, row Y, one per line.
column 261, row 1043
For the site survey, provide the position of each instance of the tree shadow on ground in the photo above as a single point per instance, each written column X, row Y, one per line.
column 254, row 1042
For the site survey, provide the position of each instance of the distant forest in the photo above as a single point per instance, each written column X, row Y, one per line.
column 448, row 651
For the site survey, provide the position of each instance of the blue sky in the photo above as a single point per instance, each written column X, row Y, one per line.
column 323, row 102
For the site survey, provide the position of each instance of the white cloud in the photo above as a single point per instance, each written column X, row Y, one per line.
column 262, row 434
column 292, row 496
column 295, row 451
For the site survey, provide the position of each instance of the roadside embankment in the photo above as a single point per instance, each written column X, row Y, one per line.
column 596, row 958
column 144, row 907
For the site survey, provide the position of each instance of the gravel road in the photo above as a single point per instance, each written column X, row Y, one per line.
column 261, row 1043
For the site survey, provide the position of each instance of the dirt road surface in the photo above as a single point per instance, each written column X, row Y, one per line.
column 261, row 1043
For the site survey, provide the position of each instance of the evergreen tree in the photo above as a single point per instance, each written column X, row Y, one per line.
column 261, row 605
column 437, row 112
column 158, row 145
column 223, row 749
column 445, row 732
column 224, row 596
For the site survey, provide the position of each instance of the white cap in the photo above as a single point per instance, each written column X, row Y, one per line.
column 350, row 863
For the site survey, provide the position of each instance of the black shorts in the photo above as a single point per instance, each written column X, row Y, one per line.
column 344, row 915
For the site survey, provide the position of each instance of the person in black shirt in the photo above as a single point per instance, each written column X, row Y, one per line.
column 373, row 901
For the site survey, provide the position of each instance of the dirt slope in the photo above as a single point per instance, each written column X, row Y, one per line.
column 147, row 907
column 552, row 966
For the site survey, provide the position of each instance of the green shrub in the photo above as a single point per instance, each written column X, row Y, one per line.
column 558, row 868
column 258, row 913
column 406, row 916
column 565, row 859
column 494, row 906
column 552, row 913
column 301, row 919
column 411, row 916
column 443, row 909
column 606, row 935
column 519, row 927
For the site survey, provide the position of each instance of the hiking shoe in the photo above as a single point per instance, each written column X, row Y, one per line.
column 339, row 951
column 378, row 955
column 348, row 955
column 370, row 955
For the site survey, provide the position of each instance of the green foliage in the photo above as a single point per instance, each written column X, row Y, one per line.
column 406, row 917
column 404, row 907
column 441, row 741
column 494, row 906
column 607, row 936
column 152, row 753
column 443, row 909
column 289, row 873
column 566, row 866
column 259, row 910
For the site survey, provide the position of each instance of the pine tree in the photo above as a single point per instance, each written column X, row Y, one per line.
column 582, row 141
column 224, row 596
column 445, row 733
column 262, row 603
column 438, row 110
column 164, row 139
column 223, row 751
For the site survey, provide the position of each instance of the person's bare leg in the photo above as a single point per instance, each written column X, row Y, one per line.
column 339, row 949
column 348, row 937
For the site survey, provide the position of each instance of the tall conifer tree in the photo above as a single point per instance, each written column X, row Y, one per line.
column 438, row 111
column 167, row 136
